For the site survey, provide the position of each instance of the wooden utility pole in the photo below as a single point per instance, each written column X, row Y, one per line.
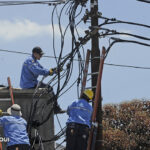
column 95, row 53
column 95, row 61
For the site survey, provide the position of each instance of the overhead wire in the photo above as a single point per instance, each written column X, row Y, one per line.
column 52, row 20
column 115, row 21
column 10, row 3
column 114, row 32
column 118, row 40
column 146, row 1
column 127, row 66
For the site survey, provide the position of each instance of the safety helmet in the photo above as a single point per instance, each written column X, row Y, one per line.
column 37, row 50
column 89, row 93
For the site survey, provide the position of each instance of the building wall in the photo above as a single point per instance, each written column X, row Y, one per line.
column 24, row 99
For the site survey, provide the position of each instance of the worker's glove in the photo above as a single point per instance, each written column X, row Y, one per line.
column 51, row 72
column 1, row 112
column 55, row 70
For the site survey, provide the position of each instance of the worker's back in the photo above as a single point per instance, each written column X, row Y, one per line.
column 15, row 129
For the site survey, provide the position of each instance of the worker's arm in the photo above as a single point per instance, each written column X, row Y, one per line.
column 36, row 69
column 1, row 118
column 70, row 107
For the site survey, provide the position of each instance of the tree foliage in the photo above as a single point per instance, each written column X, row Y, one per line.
column 126, row 126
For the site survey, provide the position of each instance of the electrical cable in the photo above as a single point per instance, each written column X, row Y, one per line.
column 23, row 53
column 115, row 21
column 118, row 40
column 10, row 3
column 146, row 1
column 59, row 122
column 127, row 66
column 114, row 32
column 57, row 136
column 52, row 20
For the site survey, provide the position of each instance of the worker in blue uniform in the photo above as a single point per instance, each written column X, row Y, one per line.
column 31, row 69
column 15, row 129
column 79, row 122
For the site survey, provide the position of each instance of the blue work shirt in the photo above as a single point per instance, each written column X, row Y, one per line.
column 31, row 69
column 80, row 112
column 14, row 129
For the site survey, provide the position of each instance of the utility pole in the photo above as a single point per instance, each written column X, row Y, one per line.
column 95, row 61
column 95, row 52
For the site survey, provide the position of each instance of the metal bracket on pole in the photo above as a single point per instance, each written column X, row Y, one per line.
column 93, row 73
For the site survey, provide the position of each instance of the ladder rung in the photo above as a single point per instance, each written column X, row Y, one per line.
column 95, row 58
column 93, row 87
column 93, row 73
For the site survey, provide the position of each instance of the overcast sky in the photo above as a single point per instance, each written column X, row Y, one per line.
column 23, row 27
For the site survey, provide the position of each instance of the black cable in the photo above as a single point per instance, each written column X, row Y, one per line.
column 117, row 40
column 114, row 21
column 114, row 32
column 69, row 87
column 130, row 41
column 59, row 122
column 18, row 52
column 62, row 45
column 127, row 66
column 146, row 1
column 53, row 32
column 9, row 3
column 57, row 136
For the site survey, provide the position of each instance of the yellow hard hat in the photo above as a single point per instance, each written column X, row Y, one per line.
column 1, row 112
column 89, row 93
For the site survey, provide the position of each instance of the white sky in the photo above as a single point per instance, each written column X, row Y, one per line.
column 23, row 27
